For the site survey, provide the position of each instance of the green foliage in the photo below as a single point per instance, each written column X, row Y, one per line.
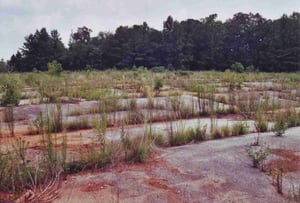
column 181, row 136
column 293, row 118
column 80, row 124
column 158, row 84
column 258, row 154
column 200, row 133
column 280, row 124
column 237, row 67
column 158, row 69
column 54, row 68
column 247, row 38
column 159, row 140
column 216, row 133
column 178, row 138
column 250, row 69
column 39, row 49
column 12, row 94
column 226, row 131
column 239, row 128
column 260, row 123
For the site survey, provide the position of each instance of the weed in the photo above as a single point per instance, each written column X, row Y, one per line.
column 258, row 154
column 79, row 124
column 261, row 123
column 280, row 124
column 158, row 84
column 226, row 131
column 54, row 68
column 216, row 133
column 12, row 94
column 239, row 128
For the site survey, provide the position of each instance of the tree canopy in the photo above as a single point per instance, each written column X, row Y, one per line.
column 204, row 44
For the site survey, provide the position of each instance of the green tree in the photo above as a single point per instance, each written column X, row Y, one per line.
column 38, row 49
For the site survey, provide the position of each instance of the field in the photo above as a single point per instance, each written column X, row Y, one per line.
column 116, row 136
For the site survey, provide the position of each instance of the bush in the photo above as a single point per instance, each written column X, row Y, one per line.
column 12, row 94
column 250, row 69
column 258, row 154
column 54, row 68
column 158, row 69
column 158, row 84
column 237, row 67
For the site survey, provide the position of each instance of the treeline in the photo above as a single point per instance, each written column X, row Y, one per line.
column 205, row 44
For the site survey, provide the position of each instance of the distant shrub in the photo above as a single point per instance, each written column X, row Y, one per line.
column 158, row 84
column 237, row 67
column 158, row 69
column 183, row 73
column 54, row 68
column 250, row 69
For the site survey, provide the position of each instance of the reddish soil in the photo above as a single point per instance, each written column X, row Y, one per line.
column 212, row 171
column 288, row 161
column 94, row 187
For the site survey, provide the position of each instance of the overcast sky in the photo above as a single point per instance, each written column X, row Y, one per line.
column 19, row 18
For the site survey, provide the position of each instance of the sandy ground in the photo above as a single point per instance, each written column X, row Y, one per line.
column 212, row 171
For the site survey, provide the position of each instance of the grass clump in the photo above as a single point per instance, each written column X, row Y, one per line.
column 226, row 131
column 12, row 94
column 239, row 128
column 258, row 154
column 182, row 137
column 80, row 124
column 280, row 124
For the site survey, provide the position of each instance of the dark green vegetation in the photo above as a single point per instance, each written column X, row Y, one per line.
column 256, row 43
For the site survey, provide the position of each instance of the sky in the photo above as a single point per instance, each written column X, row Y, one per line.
column 19, row 18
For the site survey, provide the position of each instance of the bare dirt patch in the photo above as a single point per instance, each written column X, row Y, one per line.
column 288, row 161
column 94, row 187
column 212, row 171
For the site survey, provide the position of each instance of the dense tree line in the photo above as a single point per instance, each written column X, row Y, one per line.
column 205, row 44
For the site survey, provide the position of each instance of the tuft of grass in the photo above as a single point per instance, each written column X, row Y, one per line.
column 226, row 131
column 239, row 128
column 216, row 133
column 80, row 124
column 280, row 124
column 159, row 140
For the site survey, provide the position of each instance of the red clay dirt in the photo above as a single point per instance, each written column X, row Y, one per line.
column 212, row 171
column 288, row 161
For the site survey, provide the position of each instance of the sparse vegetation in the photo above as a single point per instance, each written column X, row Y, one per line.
column 280, row 124
column 92, row 101
column 258, row 154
